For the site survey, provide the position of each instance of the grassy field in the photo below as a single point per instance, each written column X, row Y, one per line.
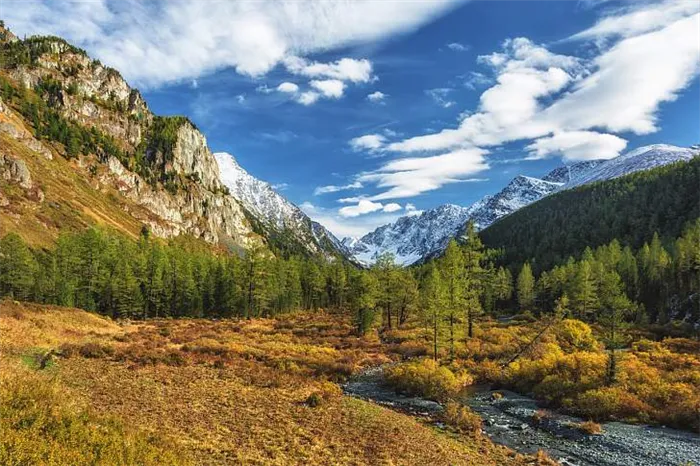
column 259, row 392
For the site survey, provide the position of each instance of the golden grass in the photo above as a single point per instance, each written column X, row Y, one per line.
column 237, row 393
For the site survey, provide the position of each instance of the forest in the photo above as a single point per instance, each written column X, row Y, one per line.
column 630, row 209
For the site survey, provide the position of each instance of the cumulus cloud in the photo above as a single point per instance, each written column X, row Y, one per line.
column 345, row 69
column 308, row 97
column 577, row 145
column 564, row 102
column 335, row 188
column 363, row 207
column 288, row 87
column 330, row 88
column 411, row 176
column 368, row 142
column 457, row 47
column 391, row 207
column 376, row 96
column 153, row 43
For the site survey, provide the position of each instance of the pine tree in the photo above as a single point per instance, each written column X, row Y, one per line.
column 526, row 288
column 584, row 291
column 17, row 268
column 362, row 297
column 453, row 272
column 433, row 302
column 474, row 276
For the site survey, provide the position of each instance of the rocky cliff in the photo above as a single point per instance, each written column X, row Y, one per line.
column 64, row 112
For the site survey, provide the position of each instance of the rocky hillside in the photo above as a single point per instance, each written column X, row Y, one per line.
column 81, row 147
column 283, row 223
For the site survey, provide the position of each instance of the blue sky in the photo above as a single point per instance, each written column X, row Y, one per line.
column 366, row 111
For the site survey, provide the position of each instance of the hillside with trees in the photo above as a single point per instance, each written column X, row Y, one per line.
column 630, row 209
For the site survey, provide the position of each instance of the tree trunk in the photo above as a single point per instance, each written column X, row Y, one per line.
column 452, row 336
column 435, row 339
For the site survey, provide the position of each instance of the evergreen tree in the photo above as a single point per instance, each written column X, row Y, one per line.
column 526, row 288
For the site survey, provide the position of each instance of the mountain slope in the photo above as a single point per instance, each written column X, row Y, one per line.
column 276, row 216
column 410, row 238
column 630, row 208
column 520, row 192
column 83, row 148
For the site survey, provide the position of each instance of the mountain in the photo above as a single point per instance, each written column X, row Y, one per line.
column 412, row 237
column 630, row 208
column 282, row 222
column 643, row 158
column 518, row 193
column 81, row 147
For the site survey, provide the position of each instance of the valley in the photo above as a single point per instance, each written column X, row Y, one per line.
column 161, row 305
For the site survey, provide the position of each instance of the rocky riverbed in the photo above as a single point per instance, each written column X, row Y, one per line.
column 519, row 423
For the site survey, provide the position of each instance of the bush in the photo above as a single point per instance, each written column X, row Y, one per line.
column 588, row 427
column 611, row 403
column 87, row 350
column 574, row 335
column 461, row 418
column 428, row 379
column 327, row 391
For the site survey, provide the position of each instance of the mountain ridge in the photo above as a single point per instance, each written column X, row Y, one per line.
column 521, row 191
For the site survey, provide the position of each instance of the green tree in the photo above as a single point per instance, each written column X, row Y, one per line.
column 526, row 288
column 453, row 270
column 433, row 302
column 363, row 298
column 17, row 267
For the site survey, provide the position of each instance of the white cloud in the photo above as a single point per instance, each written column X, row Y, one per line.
column 330, row 88
column 457, row 47
column 280, row 186
column 288, row 87
column 240, row 98
column 153, row 43
column 334, row 188
column 361, row 208
column 440, row 96
column 412, row 176
column 631, row 79
column 475, row 80
column 369, row 142
column 376, row 96
column 639, row 19
column 194, row 84
column 345, row 69
column 391, row 207
column 619, row 90
column 577, row 145
column 263, row 89
column 308, row 97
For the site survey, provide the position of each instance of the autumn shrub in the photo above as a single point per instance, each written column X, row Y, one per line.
column 588, row 427
column 461, row 418
column 411, row 349
column 40, row 426
column 428, row 379
column 87, row 350
column 326, row 392
column 574, row 335
column 606, row 403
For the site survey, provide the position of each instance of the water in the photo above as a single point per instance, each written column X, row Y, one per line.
column 509, row 421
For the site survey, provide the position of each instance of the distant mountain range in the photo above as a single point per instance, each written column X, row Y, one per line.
column 413, row 238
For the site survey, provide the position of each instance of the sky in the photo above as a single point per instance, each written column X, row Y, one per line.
column 363, row 111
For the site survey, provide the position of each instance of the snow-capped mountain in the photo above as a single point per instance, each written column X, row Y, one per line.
column 521, row 191
column 411, row 239
column 273, row 212
column 643, row 158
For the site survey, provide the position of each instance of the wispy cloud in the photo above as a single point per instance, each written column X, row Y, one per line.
column 441, row 96
column 457, row 47
column 336, row 188
column 157, row 42
column 376, row 96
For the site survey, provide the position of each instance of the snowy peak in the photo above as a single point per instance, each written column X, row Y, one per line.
column 273, row 211
column 411, row 237
column 643, row 158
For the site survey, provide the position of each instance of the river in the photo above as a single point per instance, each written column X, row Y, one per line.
column 509, row 421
